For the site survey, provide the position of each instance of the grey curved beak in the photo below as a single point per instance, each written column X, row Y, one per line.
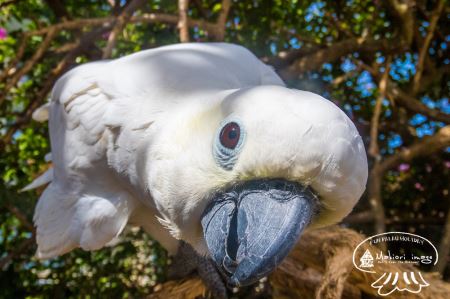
column 251, row 228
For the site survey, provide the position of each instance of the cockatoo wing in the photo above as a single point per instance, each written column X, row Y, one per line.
column 96, row 117
column 83, row 206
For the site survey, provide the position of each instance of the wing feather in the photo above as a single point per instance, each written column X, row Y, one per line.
column 66, row 220
column 84, row 206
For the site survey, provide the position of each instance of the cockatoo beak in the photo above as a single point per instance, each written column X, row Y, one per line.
column 249, row 229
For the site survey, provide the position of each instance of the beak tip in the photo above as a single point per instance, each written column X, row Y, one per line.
column 233, row 282
column 237, row 282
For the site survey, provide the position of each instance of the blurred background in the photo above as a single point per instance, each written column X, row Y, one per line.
column 385, row 63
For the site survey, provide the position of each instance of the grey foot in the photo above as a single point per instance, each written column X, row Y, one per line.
column 187, row 261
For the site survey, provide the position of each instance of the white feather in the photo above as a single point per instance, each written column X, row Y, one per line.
column 41, row 113
column 48, row 157
column 41, row 180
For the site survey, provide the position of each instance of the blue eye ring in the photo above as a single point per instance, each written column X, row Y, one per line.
column 226, row 154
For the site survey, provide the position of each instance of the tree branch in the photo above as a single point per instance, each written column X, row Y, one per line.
column 19, row 215
column 106, row 21
column 30, row 62
column 9, row 2
column 183, row 25
column 344, row 77
column 403, row 11
column 415, row 105
column 285, row 58
column 11, row 68
column 425, row 146
column 426, row 44
column 17, row 251
column 375, row 175
column 338, row 24
column 373, row 148
column 120, row 23
column 317, row 58
column 219, row 32
column 444, row 247
column 407, row 101
column 431, row 77
column 368, row 216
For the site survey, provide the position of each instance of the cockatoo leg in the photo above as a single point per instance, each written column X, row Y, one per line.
column 187, row 260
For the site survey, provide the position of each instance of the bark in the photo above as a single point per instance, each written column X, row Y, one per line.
column 122, row 20
column 315, row 59
column 30, row 62
column 368, row 216
column 285, row 58
column 320, row 264
column 106, row 21
column 12, row 66
column 425, row 146
column 8, row 2
column 183, row 25
column 375, row 175
column 444, row 247
column 403, row 11
column 375, row 198
column 219, row 32
column 374, row 150
column 408, row 101
column 426, row 44
column 22, row 247
column 21, row 216
column 414, row 105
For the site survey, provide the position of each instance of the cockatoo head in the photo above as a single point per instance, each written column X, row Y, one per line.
column 241, row 174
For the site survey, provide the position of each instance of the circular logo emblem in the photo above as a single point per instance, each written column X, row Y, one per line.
column 377, row 254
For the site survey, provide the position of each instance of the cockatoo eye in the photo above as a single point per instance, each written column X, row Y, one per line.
column 228, row 142
column 230, row 134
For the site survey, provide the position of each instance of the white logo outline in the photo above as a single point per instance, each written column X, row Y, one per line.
column 389, row 285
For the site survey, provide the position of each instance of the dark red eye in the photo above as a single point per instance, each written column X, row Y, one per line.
column 230, row 134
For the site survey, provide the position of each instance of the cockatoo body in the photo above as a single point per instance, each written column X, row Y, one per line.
column 195, row 142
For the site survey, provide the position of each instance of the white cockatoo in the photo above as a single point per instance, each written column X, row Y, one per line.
column 200, row 143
